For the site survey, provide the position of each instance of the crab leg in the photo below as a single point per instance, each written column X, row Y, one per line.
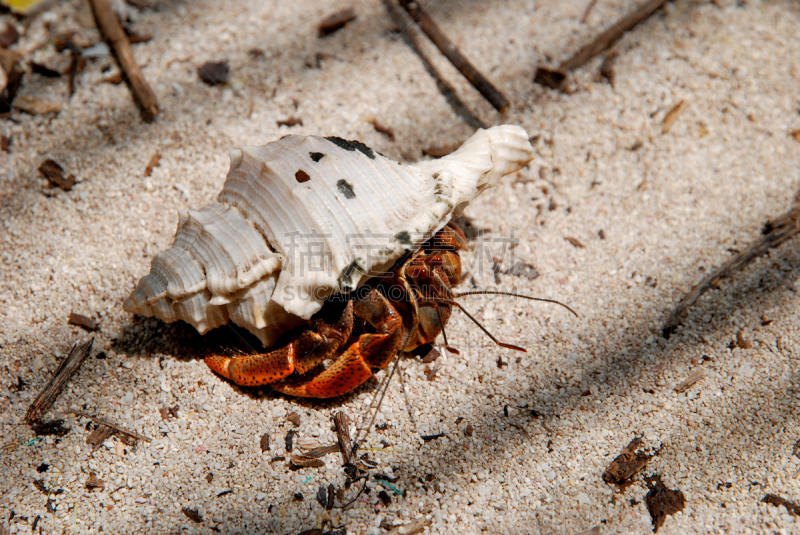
column 354, row 366
column 302, row 354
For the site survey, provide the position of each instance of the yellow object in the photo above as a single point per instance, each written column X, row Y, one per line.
column 22, row 6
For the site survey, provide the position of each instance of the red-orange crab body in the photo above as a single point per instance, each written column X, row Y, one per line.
column 361, row 331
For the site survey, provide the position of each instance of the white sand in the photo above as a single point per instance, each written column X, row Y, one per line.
column 671, row 211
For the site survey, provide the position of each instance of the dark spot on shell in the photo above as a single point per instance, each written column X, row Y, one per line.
column 352, row 145
column 403, row 237
column 301, row 176
column 346, row 189
column 316, row 156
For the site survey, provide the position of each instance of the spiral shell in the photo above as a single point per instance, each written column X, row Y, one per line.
column 306, row 217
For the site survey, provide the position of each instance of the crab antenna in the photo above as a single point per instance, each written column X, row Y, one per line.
column 522, row 296
column 495, row 340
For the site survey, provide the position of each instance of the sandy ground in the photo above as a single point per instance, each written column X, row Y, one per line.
column 671, row 206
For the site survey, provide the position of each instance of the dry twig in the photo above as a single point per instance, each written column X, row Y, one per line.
column 116, row 427
column 342, row 424
column 604, row 41
column 48, row 395
column 413, row 40
column 110, row 28
column 432, row 30
column 775, row 233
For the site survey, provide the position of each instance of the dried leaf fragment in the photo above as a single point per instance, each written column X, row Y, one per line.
column 336, row 21
column 411, row 529
column 294, row 418
column 35, row 106
column 741, row 342
column 79, row 319
column 192, row 515
column 55, row 174
column 148, row 170
column 662, row 502
column 521, row 269
column 264, row 443
column 214, row 72
column 627, row 464
column 431, row 356
column 304, row 461
column 672, row 116
column 795, row 134
column 53, row 427
column 94, row 482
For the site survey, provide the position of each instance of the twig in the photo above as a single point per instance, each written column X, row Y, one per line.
column 110, row 28
column 689, row 381
column 411, row 529
column 413, row 40
column 604, row 41
column 48, row 395
column 119, row 429
column 775, row 233
column 451, row 52
column 342, row 424
column 587, row 11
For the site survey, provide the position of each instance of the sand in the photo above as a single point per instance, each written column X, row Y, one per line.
column 650, row 211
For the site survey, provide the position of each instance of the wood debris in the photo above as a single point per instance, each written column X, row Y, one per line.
column 264, row 443
column 336, row 21
column 342, row 424
column 627, row 464
column 321, row 451
column 79, row 319
column 214, row 72
column 123, row 434
column 66, row 369
column 588, row 10
column 192, row 514
column 35, row 106
column 94, row 482
column 742, row 342
column 52, row 428
column 152, row 164
column 415, row 527
column 774, row 499
column 452, row 53
column 99, row 435
column 11, row 73
column 111, row 29
column 290, row 121
column 380, row 128
column 554, row 78
column 521, row 269
column 304, row 461
column 662, row 502
column 607, row 67
column 672, row 116
column 775, row 232
column 431, row 355
column 574, row 241
column 169, row 412
column 53, row 172
column 687, row 383
column 294, row 418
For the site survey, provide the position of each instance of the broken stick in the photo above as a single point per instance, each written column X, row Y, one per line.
column 342, row 424
column 110, row 28
column 775, row 233
column 553, row 78
column 115, row 427
column 451, row 52
column 48, row 395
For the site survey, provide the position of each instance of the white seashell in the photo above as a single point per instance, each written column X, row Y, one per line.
column 306, row 217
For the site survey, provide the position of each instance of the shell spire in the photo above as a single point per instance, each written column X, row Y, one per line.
column 305, row 217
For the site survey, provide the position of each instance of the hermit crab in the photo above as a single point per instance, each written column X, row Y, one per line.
column 334, row 256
